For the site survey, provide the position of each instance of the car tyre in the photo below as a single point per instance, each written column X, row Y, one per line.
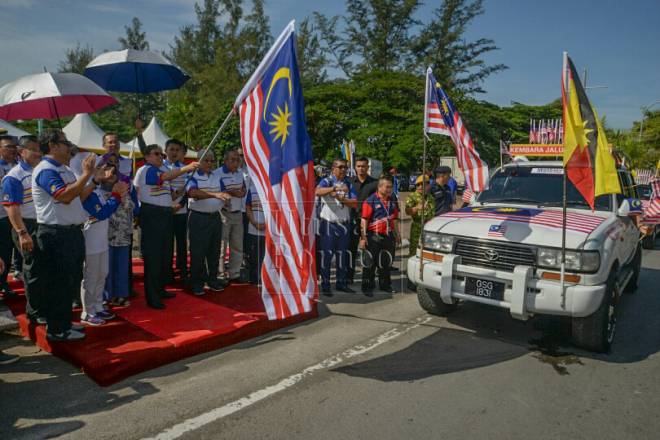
column 432, row 303
column 596, row 331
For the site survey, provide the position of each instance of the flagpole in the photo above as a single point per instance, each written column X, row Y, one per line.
column 217, row 134
column 421, row 235
column 562, row 276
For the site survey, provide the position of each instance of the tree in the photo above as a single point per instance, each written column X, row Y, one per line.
column 457, row 64
column 135, row 38
column 376, row 32
column 312, row 60
column 76, row 59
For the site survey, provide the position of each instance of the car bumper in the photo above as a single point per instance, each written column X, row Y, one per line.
column 524, row 295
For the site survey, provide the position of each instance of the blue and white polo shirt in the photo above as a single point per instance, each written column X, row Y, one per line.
column 206, row 182
column 152, row 189
column 49, row 179
column 17, row 190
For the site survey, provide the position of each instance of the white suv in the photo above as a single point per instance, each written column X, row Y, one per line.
column 505, row 250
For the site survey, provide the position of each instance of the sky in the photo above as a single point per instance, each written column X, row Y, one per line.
column 618, row 42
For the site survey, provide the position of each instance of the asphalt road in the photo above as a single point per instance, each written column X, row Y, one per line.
column 366, row 369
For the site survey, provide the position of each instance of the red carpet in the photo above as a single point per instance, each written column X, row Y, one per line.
column 141, row 338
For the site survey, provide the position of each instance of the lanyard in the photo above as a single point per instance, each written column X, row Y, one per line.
column 387, row 212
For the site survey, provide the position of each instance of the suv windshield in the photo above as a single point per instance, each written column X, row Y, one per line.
column 537, row 185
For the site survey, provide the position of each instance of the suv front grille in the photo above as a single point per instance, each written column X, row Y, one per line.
column 494, row 255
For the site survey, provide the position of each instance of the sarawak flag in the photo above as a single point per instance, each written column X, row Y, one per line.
column 588, row 162
column 438, row 107
column 278, row 153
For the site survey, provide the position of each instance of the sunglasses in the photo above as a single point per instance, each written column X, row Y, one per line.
column 157, row 153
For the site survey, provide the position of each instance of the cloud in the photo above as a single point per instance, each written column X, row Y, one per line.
column 18, row 3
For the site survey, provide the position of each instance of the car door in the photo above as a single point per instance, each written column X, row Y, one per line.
column 630, row 237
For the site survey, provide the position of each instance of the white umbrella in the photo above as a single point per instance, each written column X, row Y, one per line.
column 51, row 96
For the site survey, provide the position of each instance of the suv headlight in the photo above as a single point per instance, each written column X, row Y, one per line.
column 576, row 261
column 438, row 242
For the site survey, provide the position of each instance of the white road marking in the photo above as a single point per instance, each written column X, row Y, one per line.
column 194, row 423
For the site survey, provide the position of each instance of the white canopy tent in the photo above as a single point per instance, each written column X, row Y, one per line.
column 83, row 132
column 11, row 130
column 154, row 134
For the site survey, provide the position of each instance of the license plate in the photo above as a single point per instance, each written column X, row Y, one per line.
column 484, row 288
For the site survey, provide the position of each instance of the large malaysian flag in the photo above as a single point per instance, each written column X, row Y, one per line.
column 278, row 153
column 475, row 169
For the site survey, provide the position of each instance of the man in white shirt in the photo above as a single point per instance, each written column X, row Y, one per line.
column 156, row 222
column 176, row 152
column 206, row 193
column 256, row 233
column 337, row 197
column 7, row 162
column 17, row 200
column 232, row 213
column 59, row 240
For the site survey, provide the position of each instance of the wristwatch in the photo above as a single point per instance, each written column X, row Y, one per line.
column 22, row 231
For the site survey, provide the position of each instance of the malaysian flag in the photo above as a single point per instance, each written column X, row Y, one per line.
column 496, row 230
column 278, row 153
column 651, row 212
column 474, row 169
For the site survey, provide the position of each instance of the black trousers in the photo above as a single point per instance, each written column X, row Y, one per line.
column 380, row 256
column 256, row 253
column 6, row 248
column 157, row 224
column 354, row 241
column 58, row 264
column 204, row 233
column 181, row 239
column 30, row 271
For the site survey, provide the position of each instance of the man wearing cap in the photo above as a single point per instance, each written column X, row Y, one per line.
column 7, row 162
column 364, row 186
column 441, row 191
column 17, row 200
column 337, row 197
column 420, row 201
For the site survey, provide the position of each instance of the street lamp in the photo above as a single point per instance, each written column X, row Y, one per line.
column 644, row 110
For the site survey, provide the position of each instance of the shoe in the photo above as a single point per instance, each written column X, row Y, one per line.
column 388, row 289
column 368, row 292
column 216, row 287
column 157, row 306
column 18, row 275
column 39, row 320
column 6, row 359
column 77, row 327
column 345, row 289
column 167, row 295
column 76, row 304
column 106, row 315
column 326, row 291
column 198, row 291
column 66, row 336
column 92, row 320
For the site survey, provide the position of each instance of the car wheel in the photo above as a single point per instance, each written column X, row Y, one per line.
column 636, row 265
column 432, row 303
column 596, row 331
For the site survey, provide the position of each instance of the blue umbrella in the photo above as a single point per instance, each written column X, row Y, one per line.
column 135, row 71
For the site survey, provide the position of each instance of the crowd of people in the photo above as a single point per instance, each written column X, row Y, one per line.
column 68, row 222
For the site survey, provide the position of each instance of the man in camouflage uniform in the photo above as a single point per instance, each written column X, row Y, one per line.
column 414, row 209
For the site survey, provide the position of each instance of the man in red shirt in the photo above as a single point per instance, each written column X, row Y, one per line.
column 379, row 234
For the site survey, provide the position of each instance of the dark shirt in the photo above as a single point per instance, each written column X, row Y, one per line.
column 443, row 198
column 363, row 190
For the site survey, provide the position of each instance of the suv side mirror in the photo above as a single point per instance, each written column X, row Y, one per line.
column 624, row 208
